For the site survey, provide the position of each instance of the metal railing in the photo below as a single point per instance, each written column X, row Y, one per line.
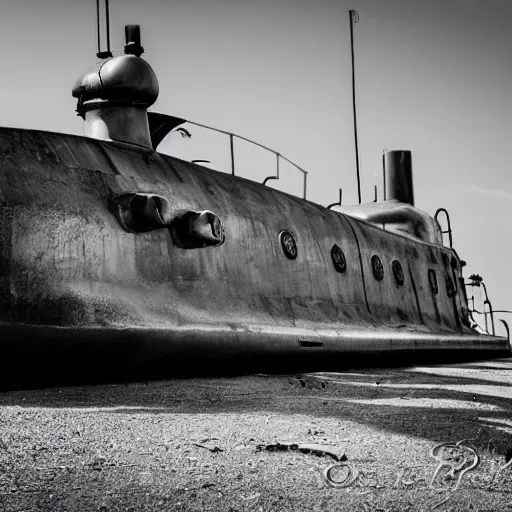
column 487, row 312
column 339, row 201
column 449, row 229
column 278, row 156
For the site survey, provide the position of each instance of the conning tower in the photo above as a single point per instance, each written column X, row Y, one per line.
column 114, row 98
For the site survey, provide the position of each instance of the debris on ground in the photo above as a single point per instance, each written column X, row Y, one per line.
column 313, row 448
column 340, row 475
column 213, row 449
column 455, row 459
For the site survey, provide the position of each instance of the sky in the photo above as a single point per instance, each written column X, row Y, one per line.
column 432, row 77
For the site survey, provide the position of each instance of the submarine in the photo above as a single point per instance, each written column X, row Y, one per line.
column 120, row 261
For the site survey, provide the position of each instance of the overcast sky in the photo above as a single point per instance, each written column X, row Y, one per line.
column 432, row 76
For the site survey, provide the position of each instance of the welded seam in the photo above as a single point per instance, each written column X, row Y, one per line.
column 414, row 289
column 360, row 261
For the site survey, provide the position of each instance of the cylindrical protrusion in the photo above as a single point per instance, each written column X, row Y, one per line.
column 132, row 35
column 113, row 100
column 398, row 176
column 123, row 123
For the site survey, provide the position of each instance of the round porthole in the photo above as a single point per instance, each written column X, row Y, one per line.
column 288, row 244
column 432, row 281
column 377, row 268
column 450, row 286
column 398, row 273
column 338, row 259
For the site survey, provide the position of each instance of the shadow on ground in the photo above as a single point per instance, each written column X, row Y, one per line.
column 442, row 404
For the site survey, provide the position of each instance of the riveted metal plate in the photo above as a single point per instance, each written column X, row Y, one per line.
column 338, row 259
column 288, row 244
column 398, row 272
column 377, row 268
column 432, row 281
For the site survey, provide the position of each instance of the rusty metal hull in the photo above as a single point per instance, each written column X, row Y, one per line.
column 77, row 287
column 44, row 355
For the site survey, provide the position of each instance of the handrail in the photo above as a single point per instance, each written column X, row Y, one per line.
column 338, row 203
column 449, row 230
column 508, row 331
column 278, row 155
column 486, row 302
column 276, row 177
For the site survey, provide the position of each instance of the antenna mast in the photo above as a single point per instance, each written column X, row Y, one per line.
column 354, row 18
column 103, row 54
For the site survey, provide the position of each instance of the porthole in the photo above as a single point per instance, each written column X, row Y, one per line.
column 398, row 273
column 338, row 259
column 288, row 244
column 450, row 286
column 377, row 268
column 432, row 281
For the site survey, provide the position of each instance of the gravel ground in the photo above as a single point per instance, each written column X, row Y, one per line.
column 193, row 444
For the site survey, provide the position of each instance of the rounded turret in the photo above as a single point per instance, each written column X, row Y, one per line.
column 113, row 98
column 126, row 78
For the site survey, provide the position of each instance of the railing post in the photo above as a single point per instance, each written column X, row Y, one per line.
column 338, row 203
column 488, row 302
column 276, row 177
column 305, row 182
column 231, row 145
column 492, row 317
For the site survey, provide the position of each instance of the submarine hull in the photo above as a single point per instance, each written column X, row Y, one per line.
column 55, row 355
column 84, row 292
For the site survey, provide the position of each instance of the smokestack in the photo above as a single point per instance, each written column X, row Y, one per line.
column 398, row 176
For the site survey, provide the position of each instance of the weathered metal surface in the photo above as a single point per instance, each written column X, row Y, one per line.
column 122, row 123
column 74, row 283
column 123, row 78
column 113, row 98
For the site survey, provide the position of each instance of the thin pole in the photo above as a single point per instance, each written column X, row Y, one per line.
column 231, row 144
column 107, row 18
column 354, row 18
column 384, row 175
column 106, row 53
column 98, row 24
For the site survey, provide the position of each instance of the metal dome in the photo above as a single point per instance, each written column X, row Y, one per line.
column 126, row 78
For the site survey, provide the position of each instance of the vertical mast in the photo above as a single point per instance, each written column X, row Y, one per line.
column 354, row 18
column 103, row 54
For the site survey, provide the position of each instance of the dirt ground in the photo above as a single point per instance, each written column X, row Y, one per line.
column 194, row 444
